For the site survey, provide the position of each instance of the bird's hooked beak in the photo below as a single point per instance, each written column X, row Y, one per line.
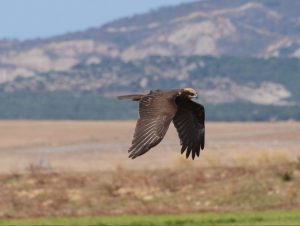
column 191, row 93
column 194, row 96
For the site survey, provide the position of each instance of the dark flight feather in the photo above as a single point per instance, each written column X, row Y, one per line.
column 189, row 122
column 153, row 123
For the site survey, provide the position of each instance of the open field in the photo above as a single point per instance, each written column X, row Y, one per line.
column 96, row 145
column 78, row 169
column 241, row 218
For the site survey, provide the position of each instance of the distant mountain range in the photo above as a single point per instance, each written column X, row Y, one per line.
column 262, row 28
column 219, row 80
column 241, row 55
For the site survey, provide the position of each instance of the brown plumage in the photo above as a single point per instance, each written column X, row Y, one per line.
column 157, row 109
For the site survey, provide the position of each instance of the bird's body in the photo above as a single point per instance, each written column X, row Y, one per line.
column 157, row 109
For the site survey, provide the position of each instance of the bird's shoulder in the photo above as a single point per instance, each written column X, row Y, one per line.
column 167, row 94
column 158, row 102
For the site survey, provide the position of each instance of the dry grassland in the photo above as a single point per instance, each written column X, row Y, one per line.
column 44, row 193
column 67, row 168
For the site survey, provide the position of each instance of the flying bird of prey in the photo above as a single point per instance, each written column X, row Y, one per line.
column 157, row 109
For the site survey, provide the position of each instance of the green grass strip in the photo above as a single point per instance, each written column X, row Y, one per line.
column 241, row 218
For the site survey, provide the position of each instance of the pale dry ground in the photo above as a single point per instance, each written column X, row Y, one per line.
column 103, row 145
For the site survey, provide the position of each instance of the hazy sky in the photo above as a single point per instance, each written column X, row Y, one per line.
column 26, row 19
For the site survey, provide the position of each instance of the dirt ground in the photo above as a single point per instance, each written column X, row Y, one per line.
column 98, row 145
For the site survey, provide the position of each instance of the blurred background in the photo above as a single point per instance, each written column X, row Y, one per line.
column 64, row 136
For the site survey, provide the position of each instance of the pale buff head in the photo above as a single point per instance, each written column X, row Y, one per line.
column 190, row 92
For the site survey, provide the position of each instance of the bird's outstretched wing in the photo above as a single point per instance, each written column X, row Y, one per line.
column 156, row 113
column 189, row 122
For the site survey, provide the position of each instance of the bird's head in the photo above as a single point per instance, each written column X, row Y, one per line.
column 189, row 92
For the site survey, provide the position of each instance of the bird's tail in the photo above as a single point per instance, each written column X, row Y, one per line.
column 134, row 97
